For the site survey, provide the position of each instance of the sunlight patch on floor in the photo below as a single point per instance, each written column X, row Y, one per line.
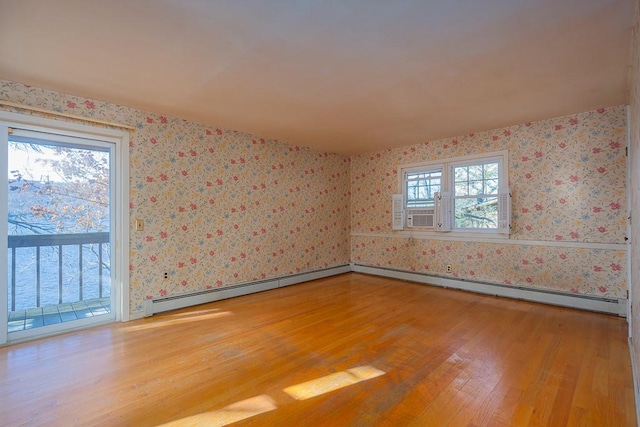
column 260, row 404
column 178, row 320
column 229, row 414
column 332, row 382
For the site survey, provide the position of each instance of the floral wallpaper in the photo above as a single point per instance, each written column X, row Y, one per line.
column 542, row 267
column 220, row 207
column 223, row 207
column 568, row 181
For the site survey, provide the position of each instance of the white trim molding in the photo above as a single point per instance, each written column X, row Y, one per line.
column 65, row 115
column 425, row 235
column 159, row 305
column 604, row 305
column 612, row 306
column 4, row 231
column 58, row 328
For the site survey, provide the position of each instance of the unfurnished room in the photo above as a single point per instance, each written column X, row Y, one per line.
column 287, row 212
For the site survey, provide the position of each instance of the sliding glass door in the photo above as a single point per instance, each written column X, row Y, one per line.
column 59, row 216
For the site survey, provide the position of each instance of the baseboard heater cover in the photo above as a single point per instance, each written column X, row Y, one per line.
column 612, row 306
column 603, row 305
column 175, row 302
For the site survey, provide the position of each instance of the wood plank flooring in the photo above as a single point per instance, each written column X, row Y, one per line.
column 352, row 350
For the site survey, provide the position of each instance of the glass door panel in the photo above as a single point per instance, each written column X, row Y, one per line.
column 59, row 231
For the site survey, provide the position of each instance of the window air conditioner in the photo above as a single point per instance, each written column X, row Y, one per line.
column 420, row 218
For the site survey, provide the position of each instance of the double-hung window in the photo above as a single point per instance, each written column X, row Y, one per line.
column 466, row 194
column 474, row 193
column 420, row 189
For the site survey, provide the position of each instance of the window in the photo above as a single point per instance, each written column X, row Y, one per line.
column 467, row 194
column 421, row 186
column 475, row 194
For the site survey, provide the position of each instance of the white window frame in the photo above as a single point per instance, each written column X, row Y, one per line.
column 451, row 188
column 444, row 209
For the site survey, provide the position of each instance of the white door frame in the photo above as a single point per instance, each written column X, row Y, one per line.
column 120, row 231
column 629, row 231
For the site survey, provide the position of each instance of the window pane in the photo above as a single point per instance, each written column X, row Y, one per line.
column 491, row 171
column 420, row 188
column 491, row 186
column 462, row 189
column 476, row 212
column 460, row 174
column 59, row 223
column 475, row 188
column 422, row 175
column 475, row 172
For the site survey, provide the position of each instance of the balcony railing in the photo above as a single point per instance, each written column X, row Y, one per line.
column 100, row 259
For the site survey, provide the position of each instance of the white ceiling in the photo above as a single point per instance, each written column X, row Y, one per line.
column 348, row 76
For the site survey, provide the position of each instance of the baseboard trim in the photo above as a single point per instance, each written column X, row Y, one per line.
column 160, row 305
column 135, row 316
column 612, row 306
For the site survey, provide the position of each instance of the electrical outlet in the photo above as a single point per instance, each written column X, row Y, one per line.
column 166, row 275
column 448, row 268
column 139, row 225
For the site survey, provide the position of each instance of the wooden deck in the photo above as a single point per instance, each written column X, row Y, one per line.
column 21, row 320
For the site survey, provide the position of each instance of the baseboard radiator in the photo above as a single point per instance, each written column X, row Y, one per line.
column 603, row 305
column 175, row 302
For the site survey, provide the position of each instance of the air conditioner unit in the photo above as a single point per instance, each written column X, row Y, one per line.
column 420, row 218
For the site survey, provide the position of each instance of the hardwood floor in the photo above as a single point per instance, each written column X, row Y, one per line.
column 350, row 350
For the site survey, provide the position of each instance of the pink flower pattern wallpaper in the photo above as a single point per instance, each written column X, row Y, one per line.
column 568, row 181
column 220, row 207
column 223, row 207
